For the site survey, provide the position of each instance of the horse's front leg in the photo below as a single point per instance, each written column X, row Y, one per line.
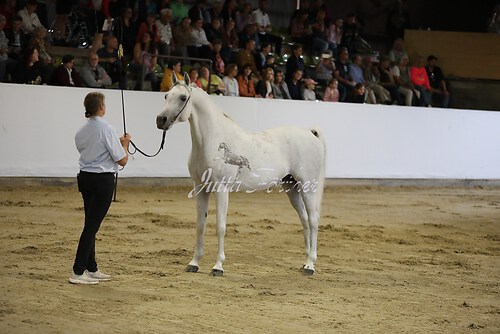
column 201, row 219
column 222, row 200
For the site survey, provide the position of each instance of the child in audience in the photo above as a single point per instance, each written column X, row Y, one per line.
column 331, row 91
column 357, row 95
column 309, row 94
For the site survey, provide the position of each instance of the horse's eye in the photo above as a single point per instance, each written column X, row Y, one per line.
column 165, row 96
column 183, row 98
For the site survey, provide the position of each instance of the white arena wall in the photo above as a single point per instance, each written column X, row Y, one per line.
column 38, row 123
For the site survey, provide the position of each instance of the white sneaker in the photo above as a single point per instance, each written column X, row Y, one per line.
column 82, row 279
column 99, row 275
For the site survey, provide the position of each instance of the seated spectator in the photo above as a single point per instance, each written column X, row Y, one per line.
column 372, row 81
column 246, row 56
column 230, row 80
column 331, row 91
column 280, row 88
column 17, row 38
column 218, row 65
column 397, row 51
column 418, row 76
column 112, row 64
column 174, row 67
column 324, row 69
column 214, row 30
column 150, row 26
column 437, row 82
column 65, row 74
column 357, row 76
column 199, row 46
column 318, row 43
column 29, row 17
column 343, row 75
column 27, row 70
column 214, row 13
column 229, row 42
column 387, row 80
column 243, row 18
column 270, row 62
column 401, row 74
column 334, row 35
column 250, row 32
column 246, row 87
column 357, row 95
column 295, row 62
column 308, row 93
column 351, row 38
column 182, row 36
column 94, row 75
column 144, row 63
column 260, row 57
column 265, row 85
column 193, row 77
column 294, row 84
column 216, row 87
column 39, row 41
column 264, row 27
column 166, row 44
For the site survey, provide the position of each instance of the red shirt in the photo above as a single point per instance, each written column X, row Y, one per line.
column 418, row 76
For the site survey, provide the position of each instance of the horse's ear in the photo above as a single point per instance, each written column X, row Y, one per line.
column 187, row 80
column 174, row 78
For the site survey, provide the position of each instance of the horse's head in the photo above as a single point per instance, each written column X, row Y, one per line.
column 177, row 105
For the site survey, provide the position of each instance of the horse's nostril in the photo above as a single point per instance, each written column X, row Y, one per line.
column 161, row 120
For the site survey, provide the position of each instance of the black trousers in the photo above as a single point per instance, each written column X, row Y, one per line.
column 97, row 192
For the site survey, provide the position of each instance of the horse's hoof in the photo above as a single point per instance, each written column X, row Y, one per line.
column 192, row 269
column 307, row 272
column 217, row 272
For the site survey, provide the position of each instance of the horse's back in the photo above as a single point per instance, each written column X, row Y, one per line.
column 303, row 147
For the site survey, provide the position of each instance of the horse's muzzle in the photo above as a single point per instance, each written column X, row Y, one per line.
column 161, row 122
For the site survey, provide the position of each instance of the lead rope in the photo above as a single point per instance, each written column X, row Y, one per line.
column 136, row 149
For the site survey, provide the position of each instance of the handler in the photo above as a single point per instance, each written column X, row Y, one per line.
column 101, row 151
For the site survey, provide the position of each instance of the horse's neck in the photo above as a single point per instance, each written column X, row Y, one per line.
column 208, row 122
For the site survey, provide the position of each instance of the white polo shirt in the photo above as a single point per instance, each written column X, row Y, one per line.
column 99, row 146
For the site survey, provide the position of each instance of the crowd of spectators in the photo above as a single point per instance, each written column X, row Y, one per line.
column 130, row 42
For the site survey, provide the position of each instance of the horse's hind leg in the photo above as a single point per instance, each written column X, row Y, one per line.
column 312, row 207
column 298, row 204
column 201, row 219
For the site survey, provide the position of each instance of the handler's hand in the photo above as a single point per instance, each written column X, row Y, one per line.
column 125, row 139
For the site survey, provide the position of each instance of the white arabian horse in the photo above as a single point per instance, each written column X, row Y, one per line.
column 226, row 158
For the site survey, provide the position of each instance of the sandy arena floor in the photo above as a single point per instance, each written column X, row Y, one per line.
column 391, row 260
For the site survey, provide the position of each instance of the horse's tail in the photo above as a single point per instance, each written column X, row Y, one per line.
column 321, row 178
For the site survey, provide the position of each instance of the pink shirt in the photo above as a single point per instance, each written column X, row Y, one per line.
column 331, row 95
